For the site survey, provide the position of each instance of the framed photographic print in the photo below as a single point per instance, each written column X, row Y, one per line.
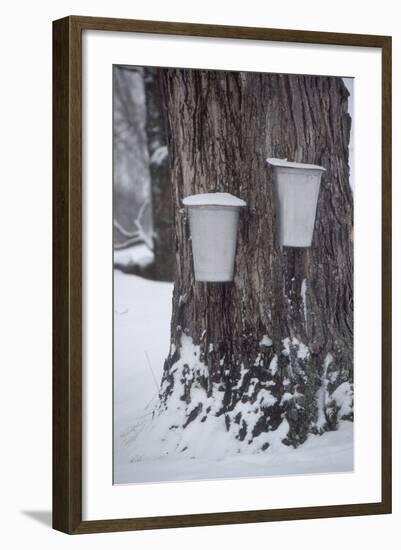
column 222, row 274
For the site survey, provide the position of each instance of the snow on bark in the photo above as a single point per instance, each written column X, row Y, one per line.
column 188, row 417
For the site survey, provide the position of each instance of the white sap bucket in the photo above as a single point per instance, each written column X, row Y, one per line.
column 213, row 219
column 296, row 190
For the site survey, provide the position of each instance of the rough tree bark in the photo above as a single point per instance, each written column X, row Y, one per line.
column 274, row 349
column 162, row 268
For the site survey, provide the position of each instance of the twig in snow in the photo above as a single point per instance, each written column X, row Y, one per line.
column 149, row 402
column 151, row 370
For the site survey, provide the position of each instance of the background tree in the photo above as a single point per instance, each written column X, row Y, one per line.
column 142, row 191
column 131, row 178
column 163, row 267
column 270, row 355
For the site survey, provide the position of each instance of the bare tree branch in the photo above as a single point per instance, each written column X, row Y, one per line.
column 123, row 231
column 133, row 240
column 137, row 236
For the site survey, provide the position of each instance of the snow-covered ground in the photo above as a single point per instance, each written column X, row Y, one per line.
column 139, row 255
column 142, row 311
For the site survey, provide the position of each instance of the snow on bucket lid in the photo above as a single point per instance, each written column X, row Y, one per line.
column 285, row 164
column 213, row 199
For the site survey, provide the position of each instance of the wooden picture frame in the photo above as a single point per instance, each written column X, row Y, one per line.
column 67, row 274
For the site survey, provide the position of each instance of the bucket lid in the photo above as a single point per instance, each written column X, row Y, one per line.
column 283, row 163
column 213, row 199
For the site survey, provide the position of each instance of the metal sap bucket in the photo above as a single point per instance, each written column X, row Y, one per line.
column 296, row 191
column 213, row 219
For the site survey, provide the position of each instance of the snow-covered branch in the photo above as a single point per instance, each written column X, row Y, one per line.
column 133, row 240
column 123, row 231
column 137, row 236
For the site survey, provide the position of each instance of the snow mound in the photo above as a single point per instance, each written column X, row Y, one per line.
column 134, row 256
column 343, row 397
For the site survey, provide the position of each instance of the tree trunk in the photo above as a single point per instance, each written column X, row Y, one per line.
column 270, row 355
column 162, row 268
